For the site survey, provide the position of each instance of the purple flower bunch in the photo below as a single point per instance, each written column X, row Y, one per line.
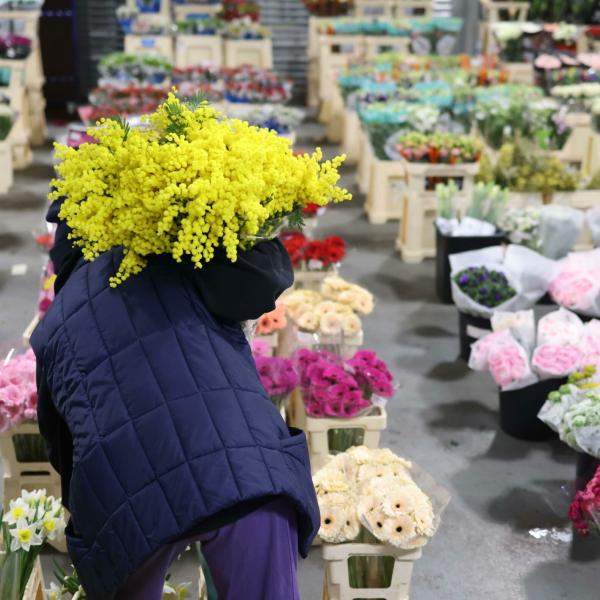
column 487, row 287
column 332, row 387
column 18, row 391
column 278, row 376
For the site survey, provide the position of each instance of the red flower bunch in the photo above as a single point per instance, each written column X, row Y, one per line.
column 239, row 9
column 311, row 210
column 328, row 251
column 585, row 508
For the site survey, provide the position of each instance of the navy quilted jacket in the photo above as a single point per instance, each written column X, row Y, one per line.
column 170, row 424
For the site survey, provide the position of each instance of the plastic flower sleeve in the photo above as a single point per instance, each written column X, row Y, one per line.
column 560, row 228
column 521, row 324
column 592, row 218
column 509, row 367
column 558, row 359
column 527, row 272
column 559, row 326
column 558, row 403
column 576, row 283
column 581, row 426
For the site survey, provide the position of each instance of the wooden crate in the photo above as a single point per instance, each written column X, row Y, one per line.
column 416, row 237
column 385, row 201
column 351, row 136
column 366, row 158
column 27, row 475
column 577, row 147
column 182, row 12
column 155, row 45
column 194, row 50
column 491, row 13
column 258, row 53
column 336, row 581
column 18, row 138
column 404, row 8
column 333, row 116
column 374, row 8
column 522, row 73
column 6, row 167
column 376, row 44
column 317, row 429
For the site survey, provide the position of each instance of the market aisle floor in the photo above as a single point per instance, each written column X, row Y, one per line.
column 444, row 418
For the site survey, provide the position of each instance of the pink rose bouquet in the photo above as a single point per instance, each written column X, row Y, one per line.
column 509, row 365
column 584, row 511
column 556, row 359
column 18, row 391
column 577, row 282
column 278, row 376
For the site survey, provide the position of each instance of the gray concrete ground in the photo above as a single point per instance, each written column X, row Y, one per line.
column 444, row 418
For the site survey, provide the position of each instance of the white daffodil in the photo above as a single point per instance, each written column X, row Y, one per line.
column 51, row 527
column 18, row 510
column 24, row 536
column 54, row 593
column 34, row 497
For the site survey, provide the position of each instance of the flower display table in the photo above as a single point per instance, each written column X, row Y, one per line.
column 577, row 147
column 337, row 585
column 257, row 53
column 416, row 237
column 6, row 167
column 155, row 45
column 351, row 136
column 192, row 50
column 384, row 200
column 490, row 11
column 317, row 429
column 28, row 475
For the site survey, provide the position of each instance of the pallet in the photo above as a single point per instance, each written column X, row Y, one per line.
column 154, row 45
column 317, row 429
column 6, row 167
column 257, row 53
column 336, row 581
column 384, row 203
column 416, row 237
column 27, row 475
column 194, row 50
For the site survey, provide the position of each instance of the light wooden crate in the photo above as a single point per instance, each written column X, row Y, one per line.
column 385, row 196
column 416, row 236
column 193, row 50
column 6, row 166
column 27, row 475
column 35, row 586
column 257, row 53
column 154, row 45
column 491, row 13
column 336, row 582
column 183, row 12
column 522, row 73
column 332, row 114
column 351, row 136
column 376, row 44
column 317, row 429
column 366, row 158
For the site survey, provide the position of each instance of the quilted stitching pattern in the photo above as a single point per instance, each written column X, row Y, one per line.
column 169, row 419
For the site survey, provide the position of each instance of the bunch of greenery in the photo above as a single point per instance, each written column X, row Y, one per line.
column 523, row 168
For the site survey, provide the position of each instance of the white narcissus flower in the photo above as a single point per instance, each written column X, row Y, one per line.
column 54, row 593
column 18, row 510
column 52, row 527
column 24, row 536
column 35, row 496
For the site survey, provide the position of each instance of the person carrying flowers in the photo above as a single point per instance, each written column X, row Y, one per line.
column 149, row 398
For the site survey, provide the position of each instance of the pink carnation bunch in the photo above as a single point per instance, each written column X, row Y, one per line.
column 334, row 388
column 18, row 391
column 584, row 511
column 509, row 364
column 278, row 376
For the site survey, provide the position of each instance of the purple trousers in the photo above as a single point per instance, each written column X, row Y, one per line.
column 254, row 558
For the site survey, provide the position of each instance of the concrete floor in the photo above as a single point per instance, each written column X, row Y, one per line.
column 444, row 418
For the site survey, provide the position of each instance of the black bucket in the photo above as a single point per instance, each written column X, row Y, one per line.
column 519, row 411
column 447, row 245
column 586, row 468
column 470, row 329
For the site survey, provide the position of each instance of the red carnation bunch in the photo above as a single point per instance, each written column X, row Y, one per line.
column 317, row 254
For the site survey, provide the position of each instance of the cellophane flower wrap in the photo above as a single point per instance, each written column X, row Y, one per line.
column 494, row 279
column 188, row 182
column 564, row 346
column 18, row 391
column 576, row 284
column 377, row 493
column 584, row 511
column 29, row 521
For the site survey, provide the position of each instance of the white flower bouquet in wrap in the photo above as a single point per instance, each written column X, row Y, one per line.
column 374, row 492
column 527, row 273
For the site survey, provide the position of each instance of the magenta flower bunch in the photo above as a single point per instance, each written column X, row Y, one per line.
column 18, row 391
column 332, row 387
column 278, row 376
